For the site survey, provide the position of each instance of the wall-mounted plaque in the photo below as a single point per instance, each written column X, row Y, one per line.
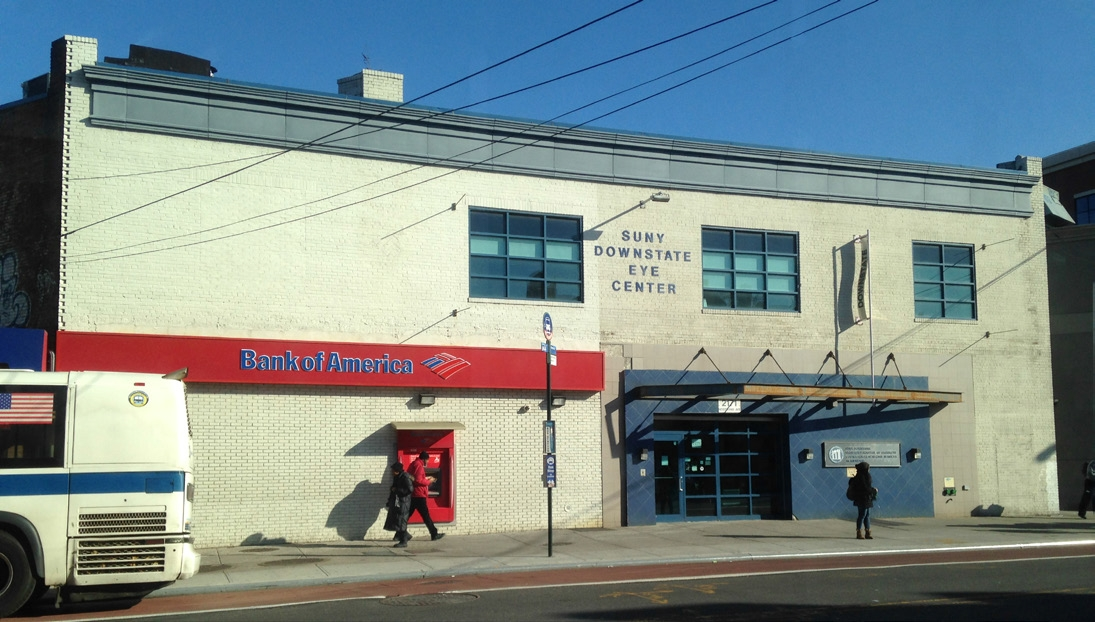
column 844, row 454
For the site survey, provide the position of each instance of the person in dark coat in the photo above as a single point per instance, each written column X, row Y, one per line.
column 862, row 493
column 1089, row 488
column 399, row 504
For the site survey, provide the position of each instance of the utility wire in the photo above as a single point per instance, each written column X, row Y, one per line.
column 561, row 131
column 467, row 106
column 572, row 73
column 431, row 116
column 353, row 125
column 169, row 170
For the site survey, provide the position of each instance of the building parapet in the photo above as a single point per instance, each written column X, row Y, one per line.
column 210, row 108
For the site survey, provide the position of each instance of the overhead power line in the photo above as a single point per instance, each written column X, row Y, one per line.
column 572, row 73
column 352, row 125
column 561, row 131
column 465, row 107
column 488, row 100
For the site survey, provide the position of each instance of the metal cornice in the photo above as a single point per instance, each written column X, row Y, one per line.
column 708, row 166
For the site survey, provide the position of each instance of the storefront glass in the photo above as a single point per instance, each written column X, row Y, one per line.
column 711, row 470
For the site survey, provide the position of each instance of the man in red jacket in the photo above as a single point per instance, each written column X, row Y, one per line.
column 417, row 469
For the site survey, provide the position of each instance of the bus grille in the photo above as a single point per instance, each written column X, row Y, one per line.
column 96, row 557
column 127, row 522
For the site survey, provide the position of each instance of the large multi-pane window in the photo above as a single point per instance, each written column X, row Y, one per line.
column 943, row 281
column 746, row 269
column 525, row 256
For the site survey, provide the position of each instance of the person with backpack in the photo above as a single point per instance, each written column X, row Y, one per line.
column 1089, row 486
column 399, row 504
column 862, row 493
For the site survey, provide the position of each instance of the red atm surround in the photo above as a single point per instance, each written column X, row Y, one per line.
column 440, row 445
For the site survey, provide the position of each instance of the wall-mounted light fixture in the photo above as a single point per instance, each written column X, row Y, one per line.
column 426, row 399
column 558, row 401
column 644, row 455
column 657, row 197
column 807, row 454
column 915, row 453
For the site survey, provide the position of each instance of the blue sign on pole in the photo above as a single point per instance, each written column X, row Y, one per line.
column 549, row 471
column 547, row 327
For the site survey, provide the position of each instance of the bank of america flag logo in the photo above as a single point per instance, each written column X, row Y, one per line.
column 26, row 408
column 445, row 365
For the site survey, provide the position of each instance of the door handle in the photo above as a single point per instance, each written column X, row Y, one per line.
column 680, row 483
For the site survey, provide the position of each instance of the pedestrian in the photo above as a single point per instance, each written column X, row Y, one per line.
column 862, row 493
column 1089, row 486
column 399, row 504
column 417, row 469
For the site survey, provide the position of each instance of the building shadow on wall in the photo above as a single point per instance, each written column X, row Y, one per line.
column 991, row 510
column 257, row 539
column 356, row 512
column 352, row 517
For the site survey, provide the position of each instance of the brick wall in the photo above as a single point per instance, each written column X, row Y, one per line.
column 310, row 464
column 1011, row 410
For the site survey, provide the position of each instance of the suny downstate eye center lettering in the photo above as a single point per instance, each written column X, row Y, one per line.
column 645, row 273
column 323, row 361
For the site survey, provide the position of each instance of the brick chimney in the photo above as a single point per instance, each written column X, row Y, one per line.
column 372, row 84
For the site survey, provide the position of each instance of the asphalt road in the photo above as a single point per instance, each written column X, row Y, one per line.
column 978, row 585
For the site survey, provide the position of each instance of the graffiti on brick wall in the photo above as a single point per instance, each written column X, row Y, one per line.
column 14, row 304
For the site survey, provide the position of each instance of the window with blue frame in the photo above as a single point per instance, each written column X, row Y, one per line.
column 748, row 269
column 1085, row 209
column 519, row 255
column 943, row 281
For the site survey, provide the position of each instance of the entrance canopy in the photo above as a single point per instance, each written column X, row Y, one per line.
column 792, row 393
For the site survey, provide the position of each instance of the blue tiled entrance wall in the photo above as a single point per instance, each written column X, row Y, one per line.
column 816, row 492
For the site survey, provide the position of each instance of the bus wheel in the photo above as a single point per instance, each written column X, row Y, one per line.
column 16, row 580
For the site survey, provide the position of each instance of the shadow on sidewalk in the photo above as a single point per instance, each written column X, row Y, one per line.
column 1078, row 526
column 770, row 536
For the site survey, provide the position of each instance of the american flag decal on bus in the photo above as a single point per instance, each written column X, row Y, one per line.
column 26, row 408
column 445, row 365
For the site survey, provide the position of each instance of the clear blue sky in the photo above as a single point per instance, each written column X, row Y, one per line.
column 968, row 82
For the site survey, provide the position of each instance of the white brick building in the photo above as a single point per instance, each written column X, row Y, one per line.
column 194, row 219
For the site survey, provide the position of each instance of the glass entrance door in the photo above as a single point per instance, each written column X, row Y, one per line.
column 720, row 470
column 668, row 477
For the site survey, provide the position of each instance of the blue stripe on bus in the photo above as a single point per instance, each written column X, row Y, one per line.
column 42, row 484
column 14, row 485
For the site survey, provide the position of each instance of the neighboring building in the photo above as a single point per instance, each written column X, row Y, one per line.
column 1070, row 254
column 708, row 306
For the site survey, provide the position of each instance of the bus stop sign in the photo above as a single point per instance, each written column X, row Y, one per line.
column 547, row 326
column 549, row 471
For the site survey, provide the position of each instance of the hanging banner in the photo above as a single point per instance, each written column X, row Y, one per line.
column 860, row 309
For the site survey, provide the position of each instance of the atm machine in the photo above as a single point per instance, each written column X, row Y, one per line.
column 439, row 443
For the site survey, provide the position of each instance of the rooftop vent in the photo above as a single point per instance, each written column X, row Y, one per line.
column 164, row 60
column 36, row 86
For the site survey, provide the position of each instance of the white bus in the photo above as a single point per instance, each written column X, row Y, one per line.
column 96, row 485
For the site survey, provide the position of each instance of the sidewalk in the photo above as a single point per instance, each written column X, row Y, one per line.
column 294, row 565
